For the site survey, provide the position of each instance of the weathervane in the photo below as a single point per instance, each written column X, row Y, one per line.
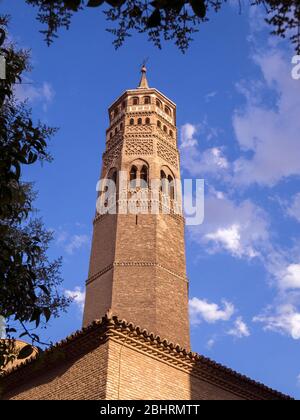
column 143, row 65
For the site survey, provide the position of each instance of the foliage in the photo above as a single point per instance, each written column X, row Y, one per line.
column 29, row 292
column 163, row 19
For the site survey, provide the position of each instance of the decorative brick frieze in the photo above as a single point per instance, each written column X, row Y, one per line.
column 168, row 153
column 139, row 146
column 134, row 264
column 111, row 156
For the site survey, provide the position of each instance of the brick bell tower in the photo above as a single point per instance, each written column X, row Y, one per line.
column 137, row 265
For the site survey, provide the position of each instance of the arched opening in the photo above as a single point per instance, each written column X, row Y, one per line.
column 114, row 176
column 147, row 121
column 110, row 134
column 167, row 110
column 171, row 187
column 131, row 121
column 144, row 176
column 147, row 100
column 171, row 133
column 164, row 181
column 116, row 111
column 165, row 129
column 133, row 175
column 139, row 121
column 116, row 130
column 135, row 100
column 158, row 124
column 158, row 103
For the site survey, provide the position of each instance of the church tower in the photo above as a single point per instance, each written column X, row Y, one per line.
column 137, row 264
column 135, row 341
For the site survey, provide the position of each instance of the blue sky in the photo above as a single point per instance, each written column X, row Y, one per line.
column 238, row 117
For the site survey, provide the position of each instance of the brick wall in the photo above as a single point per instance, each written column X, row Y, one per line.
column 82, row 378
column 134, row 375
column 122, row 367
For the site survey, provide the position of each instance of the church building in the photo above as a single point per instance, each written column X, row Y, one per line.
column 135, row 340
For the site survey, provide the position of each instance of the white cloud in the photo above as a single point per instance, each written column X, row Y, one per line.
column 294, row 209
column 70, row 243
column 210, row 96
column 211, row 342
column 238, row 228
column 61, row 236
column 200, row 310
column 230, row 238
column 197, row 161
column 29, row 91
column 76, row 242
column 240, row 329
column 290, row 277
column 188, row 132
column 78, row 297
column 285, row 320
column 269, row 131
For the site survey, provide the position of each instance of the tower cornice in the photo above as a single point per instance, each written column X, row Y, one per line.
column 141, row 91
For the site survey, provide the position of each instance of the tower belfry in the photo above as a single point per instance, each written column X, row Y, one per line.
column 137, row 264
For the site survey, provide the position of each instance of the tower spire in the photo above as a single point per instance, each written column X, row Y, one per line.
column 143, row 82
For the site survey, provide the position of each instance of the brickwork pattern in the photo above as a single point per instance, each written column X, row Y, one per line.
column 137, row 263
column 114, row 359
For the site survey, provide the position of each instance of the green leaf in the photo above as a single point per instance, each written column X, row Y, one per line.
column 47, row 314
column 199, row 8
column 25, row 352
column 72, row 4
column 95, row 3
column 135, row 12
column 36, row 316
column 115, row 3
column 160, row 4
column 154, row 20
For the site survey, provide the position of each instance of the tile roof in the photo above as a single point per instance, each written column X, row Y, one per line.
column 110, row 326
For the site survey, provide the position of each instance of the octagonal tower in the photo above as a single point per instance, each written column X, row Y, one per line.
column 137, row 264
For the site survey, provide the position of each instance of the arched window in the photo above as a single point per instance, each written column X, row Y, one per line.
column 116, row 130
column 132, row 175
column 167, row 110
column 139, row 121
column 171, row 133
column 116, row 111
column 165, row 129
column 158, row 103
column 135, row 100
column 110, row 134
column 131, row 122
column 171, row 187
column 147, row 100
column 113, row 177
column 144, row 176
column 158, row 124
column 147, row 121
column 163, row 179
